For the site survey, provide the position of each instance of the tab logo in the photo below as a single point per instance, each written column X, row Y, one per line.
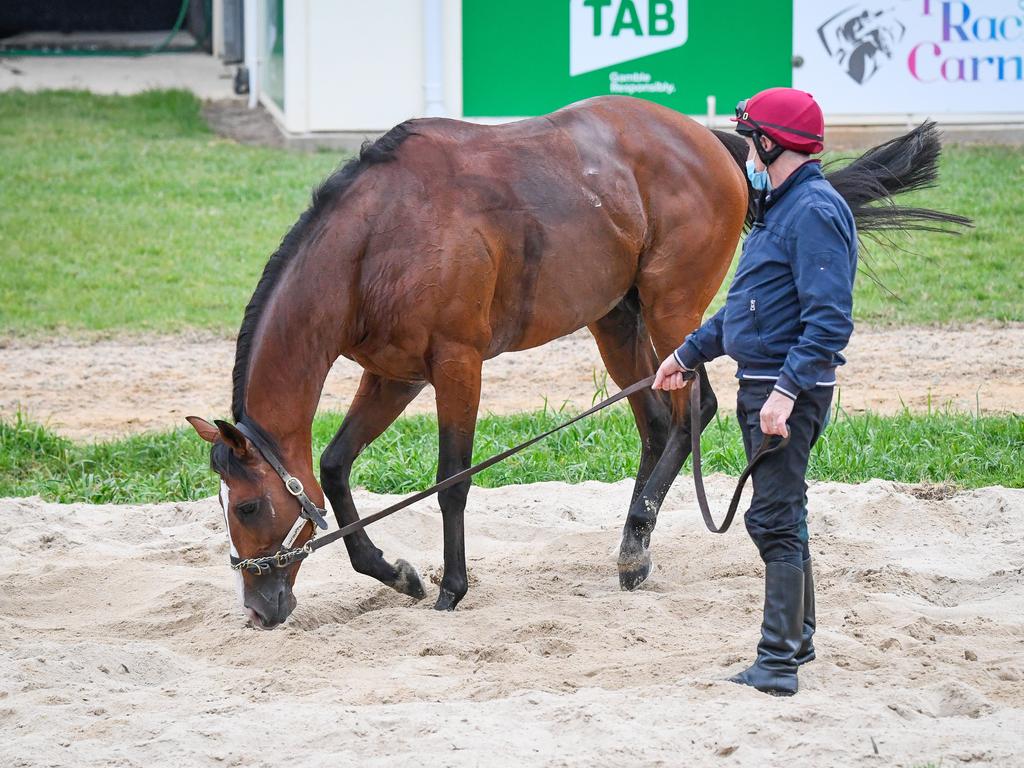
column 607, row 32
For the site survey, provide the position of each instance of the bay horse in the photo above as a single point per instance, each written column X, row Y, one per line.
column 446, row 243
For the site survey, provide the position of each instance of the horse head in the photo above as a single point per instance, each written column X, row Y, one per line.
column 262, row 516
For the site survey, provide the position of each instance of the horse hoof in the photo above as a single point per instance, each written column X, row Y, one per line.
column 634, row 571
column 408, row 581
column 447, row 600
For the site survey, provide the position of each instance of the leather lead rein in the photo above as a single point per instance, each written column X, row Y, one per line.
column 310, row 511
column 698, row 477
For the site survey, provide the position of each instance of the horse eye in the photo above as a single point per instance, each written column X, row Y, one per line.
column 247, row 508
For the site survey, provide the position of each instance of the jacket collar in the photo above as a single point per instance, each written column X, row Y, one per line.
column 810, row 169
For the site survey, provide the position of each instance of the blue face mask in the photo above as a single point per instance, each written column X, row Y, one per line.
column 759, row 180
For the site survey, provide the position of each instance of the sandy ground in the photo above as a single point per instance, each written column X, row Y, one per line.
column 93, row 389
column 123, row 644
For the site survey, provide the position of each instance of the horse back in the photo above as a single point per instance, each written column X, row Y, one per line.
column 516, row 234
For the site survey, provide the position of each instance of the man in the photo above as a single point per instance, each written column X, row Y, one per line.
column 787, row 316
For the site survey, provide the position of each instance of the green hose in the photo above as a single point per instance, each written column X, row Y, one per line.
column 162, row 47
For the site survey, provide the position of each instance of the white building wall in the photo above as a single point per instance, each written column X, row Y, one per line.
column 358, row 65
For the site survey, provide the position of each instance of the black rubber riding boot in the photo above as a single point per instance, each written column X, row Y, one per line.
column 774, row 671
column 806, row 652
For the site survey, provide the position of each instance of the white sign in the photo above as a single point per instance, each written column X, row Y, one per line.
column 911, row 56
column 603, row 33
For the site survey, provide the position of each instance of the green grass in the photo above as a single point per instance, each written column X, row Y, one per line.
column 957, row 448
column 126, row 213
column 977, row 275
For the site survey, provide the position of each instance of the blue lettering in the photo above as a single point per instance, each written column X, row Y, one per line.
column 1018, row 60
column 984, row 24
column 947, row 21
column 1003, row 33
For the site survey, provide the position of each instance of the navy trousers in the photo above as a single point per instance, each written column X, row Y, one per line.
column 777, row 518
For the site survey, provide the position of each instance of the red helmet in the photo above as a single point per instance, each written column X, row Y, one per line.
column 790, row 118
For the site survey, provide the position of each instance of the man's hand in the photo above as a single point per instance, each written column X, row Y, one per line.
column 670, row 375
column 774, row 414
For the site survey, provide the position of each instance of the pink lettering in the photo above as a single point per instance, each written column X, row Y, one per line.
column 944, row 69
column 912, row 62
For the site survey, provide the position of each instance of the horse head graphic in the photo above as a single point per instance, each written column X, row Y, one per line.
column 861, row 40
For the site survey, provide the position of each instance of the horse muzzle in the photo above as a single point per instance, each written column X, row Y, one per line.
column 269, row 601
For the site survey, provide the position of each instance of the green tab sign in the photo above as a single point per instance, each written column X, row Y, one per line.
column 529, row 57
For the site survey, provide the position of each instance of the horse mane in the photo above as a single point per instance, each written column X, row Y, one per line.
column 323, row 198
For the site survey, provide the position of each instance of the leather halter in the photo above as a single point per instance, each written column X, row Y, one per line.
column 309, row 511
column 289, row 556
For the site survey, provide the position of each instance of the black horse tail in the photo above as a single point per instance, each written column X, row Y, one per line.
column 907, row 163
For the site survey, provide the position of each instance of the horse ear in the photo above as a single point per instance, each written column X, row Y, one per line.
column 203, row 428
column 234, row 439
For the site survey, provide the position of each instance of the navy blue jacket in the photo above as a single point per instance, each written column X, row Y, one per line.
column 789, row 311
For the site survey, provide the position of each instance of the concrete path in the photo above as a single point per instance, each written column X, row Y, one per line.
column 200, row 73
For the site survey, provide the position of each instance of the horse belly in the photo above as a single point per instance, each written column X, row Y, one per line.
column 578, row 275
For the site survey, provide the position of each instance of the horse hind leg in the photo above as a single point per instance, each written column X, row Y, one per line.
column 456, row 376
column 377, row 403
column 628, row 354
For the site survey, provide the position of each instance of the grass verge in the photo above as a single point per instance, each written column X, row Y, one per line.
column 127, row 213
column 957, row 448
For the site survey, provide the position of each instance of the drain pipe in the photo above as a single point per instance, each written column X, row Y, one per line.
column 433, row 58
column 251, row 48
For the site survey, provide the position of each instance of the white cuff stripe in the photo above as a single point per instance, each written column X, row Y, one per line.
column 749, row 377
column 786, row 392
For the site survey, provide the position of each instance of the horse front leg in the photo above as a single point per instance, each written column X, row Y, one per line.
column 634, row 551
column 375, row 406
column 455, row 374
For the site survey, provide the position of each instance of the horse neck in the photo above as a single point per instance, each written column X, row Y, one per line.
column 297, row 340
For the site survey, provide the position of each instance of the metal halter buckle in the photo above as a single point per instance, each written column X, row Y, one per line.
column 294, row 486
column 256, row 566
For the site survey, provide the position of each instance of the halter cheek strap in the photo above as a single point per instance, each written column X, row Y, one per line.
column 292, row 484
column 308, row 511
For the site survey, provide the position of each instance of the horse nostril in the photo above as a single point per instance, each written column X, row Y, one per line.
column 259, row 621
column 275, row 601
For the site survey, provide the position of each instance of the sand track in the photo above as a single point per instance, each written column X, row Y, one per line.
column 93, row 389
column 123, row 645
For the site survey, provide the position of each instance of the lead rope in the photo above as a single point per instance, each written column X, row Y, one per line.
column 698, row 477
column 287, row 557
